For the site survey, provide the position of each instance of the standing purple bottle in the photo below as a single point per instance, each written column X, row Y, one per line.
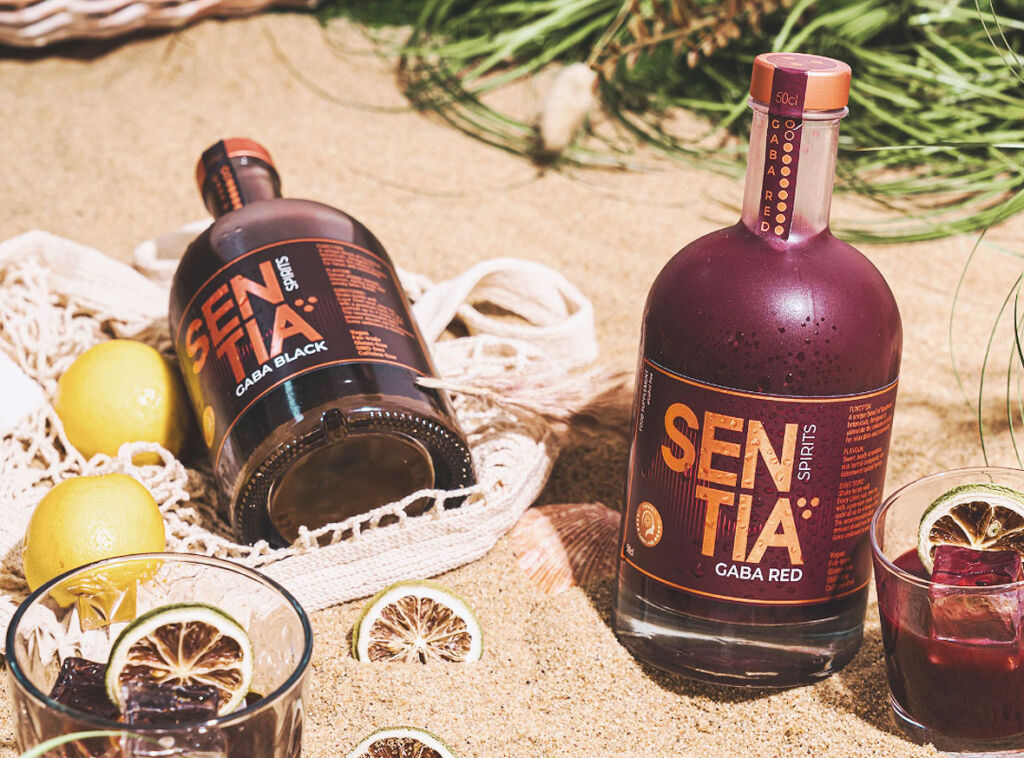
column 765, row 391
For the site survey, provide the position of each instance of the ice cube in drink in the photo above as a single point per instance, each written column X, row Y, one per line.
column 149, row 703
column 172, row 705
column 80, row 686
column 968, row 616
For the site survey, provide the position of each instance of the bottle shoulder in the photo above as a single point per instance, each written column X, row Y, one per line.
column 284, row 218
column 814, row 318
column 262, row 223
column 737, row 254
column 734, row 269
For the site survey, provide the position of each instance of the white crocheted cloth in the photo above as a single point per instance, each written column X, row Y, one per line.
column 514, row 382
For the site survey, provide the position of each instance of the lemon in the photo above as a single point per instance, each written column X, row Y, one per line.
column 123, row 391
column 86, row 519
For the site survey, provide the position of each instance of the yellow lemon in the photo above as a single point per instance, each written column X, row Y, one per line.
column 123, row 391
column 86, row 519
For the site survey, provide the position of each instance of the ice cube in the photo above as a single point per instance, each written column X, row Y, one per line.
column 169, row 705
column 964, row 567
column 80, row 686
column 149, row 703
column 968, row 616
column 102, row 601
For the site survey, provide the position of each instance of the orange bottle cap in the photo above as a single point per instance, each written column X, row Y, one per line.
column 237, row 147
column 828, row 80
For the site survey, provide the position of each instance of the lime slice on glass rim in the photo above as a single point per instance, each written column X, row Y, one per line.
column 186, row 643
column 417, row 621
column 975, row 516
column 402, row 742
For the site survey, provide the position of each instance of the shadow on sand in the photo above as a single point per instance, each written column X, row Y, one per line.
column 861, row 688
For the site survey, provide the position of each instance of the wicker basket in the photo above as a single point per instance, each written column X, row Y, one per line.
column 35, row 23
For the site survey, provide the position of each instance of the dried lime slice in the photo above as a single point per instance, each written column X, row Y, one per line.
column 402, row 742
column 977, row 516
column 417, row 621
column 187, row 643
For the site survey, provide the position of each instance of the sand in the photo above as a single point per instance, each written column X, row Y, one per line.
column 99, row 144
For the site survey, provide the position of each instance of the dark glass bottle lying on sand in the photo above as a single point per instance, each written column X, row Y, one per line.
column 302, row 359
column 764, row 399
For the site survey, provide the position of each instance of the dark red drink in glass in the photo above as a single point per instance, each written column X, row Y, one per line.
column 953, row 654
column 52, row 696
column 924, row 670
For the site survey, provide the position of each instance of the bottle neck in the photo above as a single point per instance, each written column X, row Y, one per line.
column 233, row 182
column 790, row 171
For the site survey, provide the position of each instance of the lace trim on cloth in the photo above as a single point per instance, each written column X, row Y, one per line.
column 516, row 382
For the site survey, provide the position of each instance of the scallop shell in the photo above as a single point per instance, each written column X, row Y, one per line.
column 561, row 546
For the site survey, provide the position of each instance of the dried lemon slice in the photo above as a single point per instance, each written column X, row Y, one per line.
column 417, row 621
column 402, row 742
column 976, row 516
column 187, row 643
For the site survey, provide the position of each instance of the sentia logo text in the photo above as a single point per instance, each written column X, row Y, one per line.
column 249, row 324
column 728, row 455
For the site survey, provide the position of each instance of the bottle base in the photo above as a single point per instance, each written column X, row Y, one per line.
column 775, row 655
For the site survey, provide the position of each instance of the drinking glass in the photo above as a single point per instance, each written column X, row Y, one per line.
column 953, row 655
column 48, row 627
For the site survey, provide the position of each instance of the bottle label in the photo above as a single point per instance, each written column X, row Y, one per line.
column 782, row 151
column 287, row 309
column 754, row 498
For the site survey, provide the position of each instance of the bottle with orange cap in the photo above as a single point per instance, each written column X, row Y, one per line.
column 302, row 359
column 764, row 398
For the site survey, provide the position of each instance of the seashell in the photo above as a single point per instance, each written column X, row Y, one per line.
column 561, row 546
column 566, row 106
